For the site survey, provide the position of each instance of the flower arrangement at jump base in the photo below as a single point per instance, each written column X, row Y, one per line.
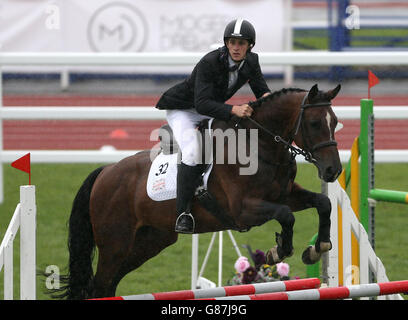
column 260, row 272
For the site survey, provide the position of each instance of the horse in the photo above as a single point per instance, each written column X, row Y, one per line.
column 113, row 212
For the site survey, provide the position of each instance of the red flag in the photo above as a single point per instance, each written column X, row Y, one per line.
column 372, row 79
column 23, row 164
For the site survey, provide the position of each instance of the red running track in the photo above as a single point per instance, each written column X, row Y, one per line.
column 93, row 134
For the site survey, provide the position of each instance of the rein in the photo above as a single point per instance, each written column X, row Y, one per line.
column 295, row 151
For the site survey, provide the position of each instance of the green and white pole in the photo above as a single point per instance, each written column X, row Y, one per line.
column 366, row 141
column 389, row 195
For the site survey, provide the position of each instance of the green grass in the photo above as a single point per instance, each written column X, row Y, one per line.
column 56, row 186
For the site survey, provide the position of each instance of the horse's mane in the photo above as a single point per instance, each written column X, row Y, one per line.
column 274, row 95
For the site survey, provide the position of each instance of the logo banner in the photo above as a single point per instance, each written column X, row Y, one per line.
column 134, row 25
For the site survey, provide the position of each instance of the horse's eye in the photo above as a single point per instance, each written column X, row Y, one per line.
column 315, row 124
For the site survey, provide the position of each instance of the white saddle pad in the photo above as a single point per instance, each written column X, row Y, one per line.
column 162, row 180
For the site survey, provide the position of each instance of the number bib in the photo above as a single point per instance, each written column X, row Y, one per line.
column 162, row 181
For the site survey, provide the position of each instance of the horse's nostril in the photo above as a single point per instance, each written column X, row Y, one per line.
column 330, row 174
column 329, row 171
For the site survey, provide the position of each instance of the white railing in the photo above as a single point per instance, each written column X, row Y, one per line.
column 293, row 58
column 110, row 156
column 368, row 260
column 151, row 113
column 24, row 217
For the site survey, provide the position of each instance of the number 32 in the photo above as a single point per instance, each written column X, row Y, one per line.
column 163, row 169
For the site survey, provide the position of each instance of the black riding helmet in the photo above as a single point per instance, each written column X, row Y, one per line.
column 240, row 29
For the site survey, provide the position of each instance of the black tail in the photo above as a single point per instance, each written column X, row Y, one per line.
column 81, row 245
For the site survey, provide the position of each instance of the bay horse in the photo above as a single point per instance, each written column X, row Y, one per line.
column 113, row 211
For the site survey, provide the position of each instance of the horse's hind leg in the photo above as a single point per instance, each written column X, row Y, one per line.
column 108, row 267
column 148, row 243
column 301, row 199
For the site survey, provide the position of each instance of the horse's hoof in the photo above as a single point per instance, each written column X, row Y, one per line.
column 272, row 256
column 280, row 251
column 325, row 246
column 310, row 255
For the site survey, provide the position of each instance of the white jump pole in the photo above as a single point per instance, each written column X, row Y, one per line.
column 207, row 255
column 194, row 262
column 220, row 244
column 234, row 243
column 28, row 243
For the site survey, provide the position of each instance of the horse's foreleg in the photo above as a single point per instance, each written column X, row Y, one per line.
column 301, row 199
column 257, row 212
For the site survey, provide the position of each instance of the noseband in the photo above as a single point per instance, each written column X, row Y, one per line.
column 307, row 152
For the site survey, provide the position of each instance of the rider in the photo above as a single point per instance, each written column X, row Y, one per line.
column 215, row 79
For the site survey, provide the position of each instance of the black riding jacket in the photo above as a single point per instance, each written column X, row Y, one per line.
column 206, row 89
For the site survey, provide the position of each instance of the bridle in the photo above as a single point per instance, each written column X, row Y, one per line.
column 295, row 151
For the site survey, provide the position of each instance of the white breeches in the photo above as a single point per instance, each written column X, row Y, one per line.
column 184, row 124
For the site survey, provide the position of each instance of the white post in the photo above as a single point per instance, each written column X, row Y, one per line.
column 194, row 262
column 288, row 41
column 347, row 265
column 364, row 246
column 333, row 266
column 27, row 243
column 220, row 260
column 8, row 271
column 64, row 78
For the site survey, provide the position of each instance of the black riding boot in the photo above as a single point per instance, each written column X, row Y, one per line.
column 187, row 182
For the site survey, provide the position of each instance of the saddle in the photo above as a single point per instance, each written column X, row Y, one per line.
column 168, row 144
column 162, row 180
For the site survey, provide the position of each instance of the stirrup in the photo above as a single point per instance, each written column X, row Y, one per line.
column 185, row 223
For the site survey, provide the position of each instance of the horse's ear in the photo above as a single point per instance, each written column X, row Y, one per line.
column 333, row 93
column 313, row 92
